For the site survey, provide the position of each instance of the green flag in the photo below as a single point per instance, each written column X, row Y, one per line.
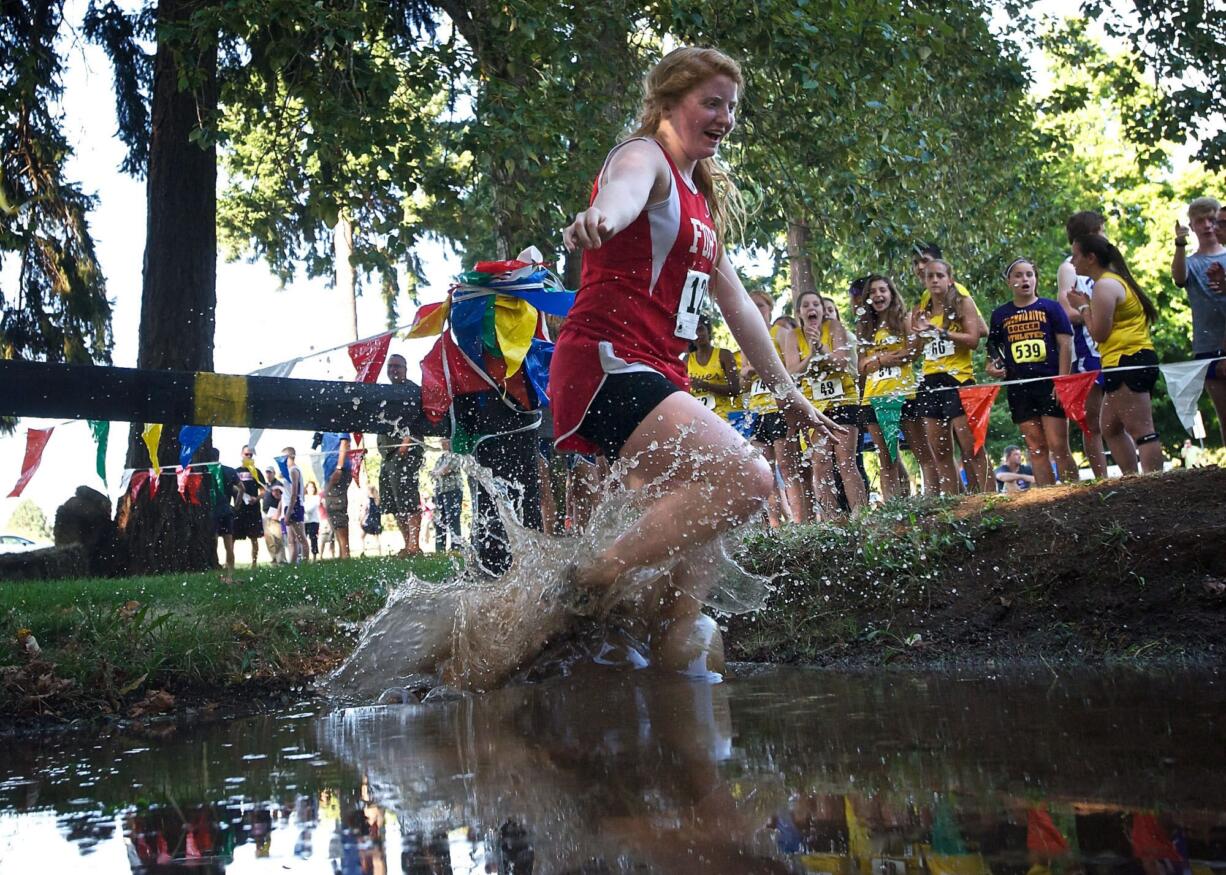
column 889, row 412
column 102, row 430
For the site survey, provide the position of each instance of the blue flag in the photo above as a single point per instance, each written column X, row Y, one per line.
column 191, row 437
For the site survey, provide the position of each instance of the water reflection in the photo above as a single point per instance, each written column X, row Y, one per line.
column 780, row 771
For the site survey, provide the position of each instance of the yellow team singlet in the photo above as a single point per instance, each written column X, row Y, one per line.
column 895, row 380
column 760, row 399
column 712, row 372
column 1129, row 330
column 826, row 383
column 945, row 356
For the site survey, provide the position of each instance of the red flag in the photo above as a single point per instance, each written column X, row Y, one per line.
column 1042, row 836
column 977, row 402
column 137, row 483
column 368, row 357
column 355, row 465
column 155, row 480
column 1071, row 391
column 195, row 482
column 1149, row 840
column 36, row 442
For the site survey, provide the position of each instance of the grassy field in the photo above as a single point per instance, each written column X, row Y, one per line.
column 106, row 645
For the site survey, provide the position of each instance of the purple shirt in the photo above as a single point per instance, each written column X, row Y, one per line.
column 1024, row 338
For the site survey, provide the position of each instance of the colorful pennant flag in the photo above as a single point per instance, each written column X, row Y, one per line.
column 219, row 482
column 155, row 480
column 368, row 357
column 256, row 474
column 977, row 401
column 152, row 436
column 515, row 324
column 191, row 484
column 101, row 430
column 136, row 482
column 1042, row 836
column 1071, row 392
column 430, row 319
column 191, row 437
column 36, row 442
column 355, row 465
column 280, row 369
column 1184, row 383
column 889, row 413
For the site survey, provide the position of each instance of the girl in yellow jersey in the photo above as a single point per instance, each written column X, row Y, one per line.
column 714, row 379
column 951, row 328
column 1119, row 316
column 888, row 349
column 819, row 354
column 769, row 433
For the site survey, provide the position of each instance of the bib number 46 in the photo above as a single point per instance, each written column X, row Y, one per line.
column 693, row 302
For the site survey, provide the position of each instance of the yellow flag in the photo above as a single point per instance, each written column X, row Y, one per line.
column 152, row 435
column 514, row 325
column 249, row 464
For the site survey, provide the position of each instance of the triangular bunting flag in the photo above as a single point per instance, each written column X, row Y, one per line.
column 191, row 437
column 152, row 436
column 368, row 357
column 280, row 369
column 1184, row 383
column 355, row 465
column 155, row 480
column 430, row 319
column 219, row 482
column 977, row 401
column 889, row 412
column 136, row 482
column 101, row 429
column 1042, row 836
column 1071, row 392
column 36, row 442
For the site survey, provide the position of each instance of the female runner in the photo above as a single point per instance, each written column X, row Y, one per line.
column 653, row 247
column 953, row 328
column 819, row 355
column 1031, row 337
column 1118, row 316
column 884, row 331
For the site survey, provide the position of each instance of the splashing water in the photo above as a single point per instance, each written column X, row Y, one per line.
column 473, row 633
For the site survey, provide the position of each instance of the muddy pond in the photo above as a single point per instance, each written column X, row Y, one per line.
column 773, row 770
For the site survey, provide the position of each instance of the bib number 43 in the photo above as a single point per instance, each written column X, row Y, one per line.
column 693, row 302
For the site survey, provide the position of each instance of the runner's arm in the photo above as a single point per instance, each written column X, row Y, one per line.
column 633, row 172
column 1064, row 353
column 1099, row 312
column 727, row 361
column 1066, row 278
column 968, row 318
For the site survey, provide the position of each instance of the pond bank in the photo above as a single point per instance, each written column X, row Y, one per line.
column 1130, row 570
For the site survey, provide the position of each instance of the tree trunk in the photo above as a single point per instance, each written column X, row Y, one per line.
column 179, row 296
column 346, row 277
column 800, row 266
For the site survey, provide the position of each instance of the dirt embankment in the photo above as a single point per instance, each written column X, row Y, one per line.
column 1130, row 569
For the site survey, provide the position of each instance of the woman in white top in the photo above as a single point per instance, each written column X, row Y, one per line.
column 310, row 516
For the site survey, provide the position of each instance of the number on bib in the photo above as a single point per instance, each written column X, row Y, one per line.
column 693, row 302
column 890, row 373
column 938, row 348
column 1028, row 351
column 706, row 400
column 826, row 390
column 758, row 388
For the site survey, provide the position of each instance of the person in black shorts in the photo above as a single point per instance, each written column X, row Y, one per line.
column 248, row 522
column 1031, row 337
column 223, row 509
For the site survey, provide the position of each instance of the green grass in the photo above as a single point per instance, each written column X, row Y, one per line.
column 113, row 641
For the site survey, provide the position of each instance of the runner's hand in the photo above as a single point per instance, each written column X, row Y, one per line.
column 588, row 231
column 1077, row 298
column 1181, row 232
column 803, row 416
column 994, row 370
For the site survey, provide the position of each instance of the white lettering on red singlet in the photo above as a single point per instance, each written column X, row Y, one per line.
column 704, row 234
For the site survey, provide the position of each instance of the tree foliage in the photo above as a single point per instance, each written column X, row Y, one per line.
column 29, row 520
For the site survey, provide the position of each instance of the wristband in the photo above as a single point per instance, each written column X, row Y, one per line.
column 1181, row 242
column 1083, row 308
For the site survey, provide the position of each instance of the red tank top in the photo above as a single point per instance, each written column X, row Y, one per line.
column 641, row 293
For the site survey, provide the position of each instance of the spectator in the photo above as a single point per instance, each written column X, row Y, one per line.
column 953, row 329
column 1192, row 273
column 769, row 432
column 372, row 521
column 888, row 352
column 448, row 501
column 1191, row 454
column 402, row 456
column 1119, row 316
column 274, row 528
column 224, row 516
column 310, row 517
column 1029, row 338
column 248, row 522
column 1085, row 350
column 327, row 536
column 292, row 510
column 1012, row 475
column 335, row 446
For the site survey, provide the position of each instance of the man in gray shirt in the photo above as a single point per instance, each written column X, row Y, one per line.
column 1191, row 272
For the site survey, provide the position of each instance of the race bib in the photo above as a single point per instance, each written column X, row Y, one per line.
column 938, row 348
column 758, row 388
column 890, row 373
column 1026, row 352
column 826, row 390
column 693, row 302
column 707, row 401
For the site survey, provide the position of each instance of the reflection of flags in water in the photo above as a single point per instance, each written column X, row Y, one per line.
column 1071, row 392
column 1184, row 383
column 977, row 402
